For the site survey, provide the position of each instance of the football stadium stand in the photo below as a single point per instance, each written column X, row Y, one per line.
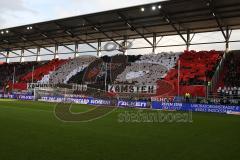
column 8, row 70
column 32, row 72
column 149, row 69
column 70, row 69
column 196, row 69
column 95, row 73
column 230, row 84
column 38, row 73
column 173, row 74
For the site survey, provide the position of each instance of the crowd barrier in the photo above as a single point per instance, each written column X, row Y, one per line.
column 155, row 105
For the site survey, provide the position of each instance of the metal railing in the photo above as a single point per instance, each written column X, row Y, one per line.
column 216, row 77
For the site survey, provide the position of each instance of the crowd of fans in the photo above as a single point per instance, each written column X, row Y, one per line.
column 231, row 74
column 196, row 68
column 149, row 69
column 70, row 69
column 10, row 72
column 232, row 92
column 39, row 72
column 103, row 69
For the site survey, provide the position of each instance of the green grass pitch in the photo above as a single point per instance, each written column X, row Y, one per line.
column 30, row 131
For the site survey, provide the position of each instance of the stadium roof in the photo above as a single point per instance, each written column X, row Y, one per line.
column 175, row 17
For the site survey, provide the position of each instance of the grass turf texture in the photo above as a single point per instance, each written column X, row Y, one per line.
column 29, row 130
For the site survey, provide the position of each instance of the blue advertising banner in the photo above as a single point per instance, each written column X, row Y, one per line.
column 93, row 101
column 195, row 107
column 17, row 96
column 137, row 104
column 90, row 101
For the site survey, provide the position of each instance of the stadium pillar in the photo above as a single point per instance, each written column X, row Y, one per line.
column 154, row 42
column 7, row 57
column 56, row 52
column 76, row 50
column 188, row 40
column 99, row 48
column 227, row 38
column 22, row 54
column 38, row 53
column 125, row 45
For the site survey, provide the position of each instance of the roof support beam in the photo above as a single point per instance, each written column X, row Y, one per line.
column 124, row 46
column 65, row 46
column 228, row 35
column 56, row 52
column 99, row 30
column 38, row 54
column 188, row 40
column 20, row 47
column 22, row 55
column 7, row 57
column 23, row 48
column 219, row 25
column 169, row 20
column 30, row 51
column 89, row 44
column 133, row 28
column 15, row 53
column 72, row 35
column 34, row 43
column 217, row 18
column 76, row 50
column 3, row 54
column 40, row 46
column 55, row 41
column 10, row 51
column 225, row 32
column 99, row 48
column 159, row 40
column 154, row 42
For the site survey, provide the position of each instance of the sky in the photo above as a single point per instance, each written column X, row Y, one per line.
column 21, row 12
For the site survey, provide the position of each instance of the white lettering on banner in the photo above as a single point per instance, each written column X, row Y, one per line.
column 38, row 85
column 132, row 104
column 163, row 99
column 172, row 104
column 79, row 87
column 144, row 89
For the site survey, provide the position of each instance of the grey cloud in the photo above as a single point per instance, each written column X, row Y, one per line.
column 12, row 8
column 14, row 5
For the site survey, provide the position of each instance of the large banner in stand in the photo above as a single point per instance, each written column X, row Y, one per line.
column 139, row 89
column 31, row 86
